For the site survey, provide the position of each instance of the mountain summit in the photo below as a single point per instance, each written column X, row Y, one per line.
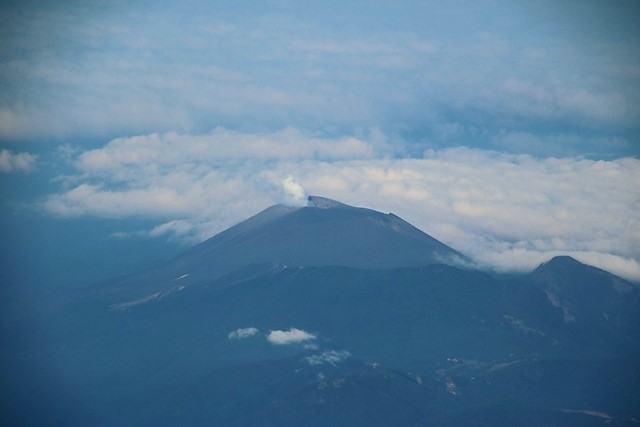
column 323, row 233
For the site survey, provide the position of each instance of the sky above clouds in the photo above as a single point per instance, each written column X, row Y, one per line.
column 508, row 130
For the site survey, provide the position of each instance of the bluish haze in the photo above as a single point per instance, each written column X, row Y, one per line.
column 130, row 130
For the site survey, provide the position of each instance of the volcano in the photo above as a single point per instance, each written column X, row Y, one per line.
column 323, row 233
column 327, row 314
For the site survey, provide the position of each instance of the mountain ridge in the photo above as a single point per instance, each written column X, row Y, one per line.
column 473, row 347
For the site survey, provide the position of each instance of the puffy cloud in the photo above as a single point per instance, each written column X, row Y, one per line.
column 292, row 336
column 508, row 212
column 243, row 333
column 209, row 181
column 18, row 162
column 97, row 200
column 331, row 357
column 221, row 145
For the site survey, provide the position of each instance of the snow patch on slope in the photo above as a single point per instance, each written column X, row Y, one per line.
column 567, row 315
column 153, row 297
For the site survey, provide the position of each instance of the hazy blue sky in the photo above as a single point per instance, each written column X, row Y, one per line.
column 509, row 130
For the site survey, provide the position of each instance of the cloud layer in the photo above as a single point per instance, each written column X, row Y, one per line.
column 508, row 212
column 446, row 76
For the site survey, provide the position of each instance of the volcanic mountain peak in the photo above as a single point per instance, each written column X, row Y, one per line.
column 324, row 203
column 561, row 261
column 324, row 233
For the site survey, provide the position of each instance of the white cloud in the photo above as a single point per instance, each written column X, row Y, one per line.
column 96, row 200
column 160, row 150
column 18, row 162
column 331, row 357
column 508, row 212
column 243, row 333
column 292, row 336
column 176, row 228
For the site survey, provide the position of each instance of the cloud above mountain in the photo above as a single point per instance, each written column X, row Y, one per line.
column 508, row 212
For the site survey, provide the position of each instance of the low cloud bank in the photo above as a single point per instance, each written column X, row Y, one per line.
column 507, row 212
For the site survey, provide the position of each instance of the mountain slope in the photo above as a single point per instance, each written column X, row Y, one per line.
column 325, row 233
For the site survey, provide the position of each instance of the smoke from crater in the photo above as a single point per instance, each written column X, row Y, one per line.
column 294, row 194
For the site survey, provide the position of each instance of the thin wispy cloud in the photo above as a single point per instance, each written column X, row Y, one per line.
column 11, row 162
column 330, row 357
column 243, row 333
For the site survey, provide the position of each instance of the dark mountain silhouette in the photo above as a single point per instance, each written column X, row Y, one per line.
column 250, row 328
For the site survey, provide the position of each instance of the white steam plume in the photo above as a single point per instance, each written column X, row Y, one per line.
column 294, row 194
